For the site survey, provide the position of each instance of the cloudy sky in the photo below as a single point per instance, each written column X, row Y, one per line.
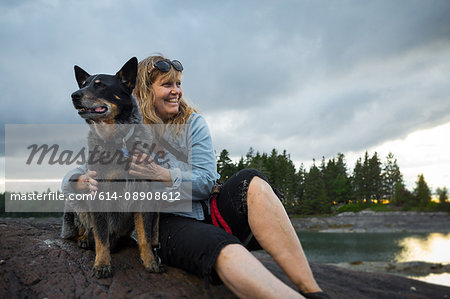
column 312, row 77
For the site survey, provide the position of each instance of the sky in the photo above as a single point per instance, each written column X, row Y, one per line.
column 315, row 78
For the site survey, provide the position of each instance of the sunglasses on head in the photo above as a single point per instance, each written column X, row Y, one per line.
column 164, row 65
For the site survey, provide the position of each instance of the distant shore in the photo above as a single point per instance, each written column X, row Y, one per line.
column 385, row 222
column 369, row 221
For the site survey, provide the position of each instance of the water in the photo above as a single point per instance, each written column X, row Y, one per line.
column 381, row 247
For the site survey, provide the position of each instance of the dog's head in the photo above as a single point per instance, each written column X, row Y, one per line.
column 107, row 98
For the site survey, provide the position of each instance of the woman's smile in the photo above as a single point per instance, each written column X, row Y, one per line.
column 167, row 97
column 172, row 101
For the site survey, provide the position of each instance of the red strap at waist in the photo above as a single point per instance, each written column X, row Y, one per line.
column 216, row 217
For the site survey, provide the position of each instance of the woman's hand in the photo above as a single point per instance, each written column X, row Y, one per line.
column 86, row 182
column 144, row 166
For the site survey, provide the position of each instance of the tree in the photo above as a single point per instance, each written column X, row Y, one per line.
column 358, row 180
column 391, row 176
column 225, row 166
column 258, row 162
column 422, row 193
column 374, row 182
column 342, row 183
column 280, row 171
column 300, row 177
column 241, row 164
column 366, row 177
column 315, row 199
column 443, row 194
column 402, row 196
column 288, row 178
column 337, row 182
column 367, row 181
column 362, row 178
column 249, row 156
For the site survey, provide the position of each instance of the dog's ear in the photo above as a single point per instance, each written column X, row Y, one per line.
column 128, row 73
column 81, row 75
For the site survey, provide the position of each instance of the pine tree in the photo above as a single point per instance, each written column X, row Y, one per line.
column 281, row 172
column 300, row 183
column 315, row 199
column 366, row 178
column 249, row 156
column 289, row 178
column 358, row 181
column 391, row 176
column 402, row 196
column 274, row 169
column 225, row 166
column 443, row 194
column 241, row 164
column 342, row 187
column 375, row 181
column 329, row 173
column 422, row 192
column 258, row 162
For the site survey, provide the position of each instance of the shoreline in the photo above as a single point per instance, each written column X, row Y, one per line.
column 386, row 222
column 373, row 222
column 436, row 273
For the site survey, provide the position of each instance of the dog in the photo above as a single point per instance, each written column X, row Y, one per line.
column 107, row 105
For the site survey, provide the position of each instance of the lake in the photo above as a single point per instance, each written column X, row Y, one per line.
column 382, row 247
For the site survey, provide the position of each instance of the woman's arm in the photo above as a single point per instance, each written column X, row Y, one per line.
column 202, row 173
column 203, row 161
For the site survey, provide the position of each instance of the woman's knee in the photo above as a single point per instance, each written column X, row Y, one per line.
column 259, row 189
column 231, row 249
column 228, row 253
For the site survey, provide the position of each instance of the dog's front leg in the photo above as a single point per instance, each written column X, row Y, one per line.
column 102, row 264
column 143, row 223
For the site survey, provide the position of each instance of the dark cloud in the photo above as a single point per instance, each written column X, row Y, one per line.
column 312, row 77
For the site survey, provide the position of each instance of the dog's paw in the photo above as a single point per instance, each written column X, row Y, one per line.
column 102, row 271
column 155, row 267
column 85, row 243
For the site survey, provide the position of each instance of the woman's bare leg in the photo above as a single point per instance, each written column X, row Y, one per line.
column 272, row 228
column 246, row 277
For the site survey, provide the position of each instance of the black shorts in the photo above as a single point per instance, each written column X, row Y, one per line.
column 194, row 245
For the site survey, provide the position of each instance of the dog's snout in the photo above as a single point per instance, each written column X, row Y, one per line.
column 76, row 96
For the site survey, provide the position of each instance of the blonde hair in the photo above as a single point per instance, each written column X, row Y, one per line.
column 147, row 74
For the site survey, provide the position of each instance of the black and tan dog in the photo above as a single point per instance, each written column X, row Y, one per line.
column 107, row 105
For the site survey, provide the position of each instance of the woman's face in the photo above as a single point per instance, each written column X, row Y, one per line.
column 168, row 93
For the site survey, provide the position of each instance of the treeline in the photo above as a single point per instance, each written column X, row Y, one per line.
column 326, row 186
column 329, row 184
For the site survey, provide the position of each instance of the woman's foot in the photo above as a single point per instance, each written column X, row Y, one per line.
column 315, row 295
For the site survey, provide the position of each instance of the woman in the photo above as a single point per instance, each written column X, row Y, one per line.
column 249, row 206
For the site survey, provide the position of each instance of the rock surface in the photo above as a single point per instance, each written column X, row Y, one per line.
column 415, row 269
column 36, row 263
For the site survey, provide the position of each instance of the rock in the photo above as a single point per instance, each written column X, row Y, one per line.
column 38, row 264
column 416, row 269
